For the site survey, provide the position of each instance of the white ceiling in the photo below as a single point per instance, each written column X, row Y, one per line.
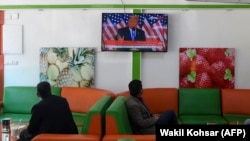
column 223, row 1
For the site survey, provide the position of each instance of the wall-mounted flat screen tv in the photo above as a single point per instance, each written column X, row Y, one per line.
column 143, row 32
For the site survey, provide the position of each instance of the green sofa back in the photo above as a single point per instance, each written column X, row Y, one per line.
column 97, row 112
column 20, row 99
column 195, row 101
column 116, row 115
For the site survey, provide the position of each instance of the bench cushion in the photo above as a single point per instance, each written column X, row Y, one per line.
column 19, row 100
column 200, row 106
column 235, row 105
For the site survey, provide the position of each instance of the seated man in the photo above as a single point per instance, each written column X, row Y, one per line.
column 141, row 119
column 51, row 115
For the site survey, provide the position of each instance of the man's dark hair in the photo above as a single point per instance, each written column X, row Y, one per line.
column 135, row 87
column 44, row 89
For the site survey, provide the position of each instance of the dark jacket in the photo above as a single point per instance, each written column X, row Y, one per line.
column 52, row 115
column 125, row 32
column 141, row 119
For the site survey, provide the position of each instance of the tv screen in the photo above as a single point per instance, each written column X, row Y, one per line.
column 144, row 32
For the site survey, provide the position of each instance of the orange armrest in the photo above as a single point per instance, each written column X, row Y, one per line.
column 65, row 137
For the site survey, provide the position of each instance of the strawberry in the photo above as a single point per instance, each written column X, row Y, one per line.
column 218, row 71
column 216, row 54
column 229, row 60
column 203, row 52
column 187, row 81
column 203, row 80
column 229, row 84
column 198, row 62
column 183, row 50
column 184, row 64
column 201, row 64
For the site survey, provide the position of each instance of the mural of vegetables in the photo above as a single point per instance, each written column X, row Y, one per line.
column 72, row 67
column 206, row 67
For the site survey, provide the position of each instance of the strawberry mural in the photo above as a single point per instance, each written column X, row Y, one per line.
column 206, row 67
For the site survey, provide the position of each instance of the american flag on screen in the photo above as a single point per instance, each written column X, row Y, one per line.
column 154, row 25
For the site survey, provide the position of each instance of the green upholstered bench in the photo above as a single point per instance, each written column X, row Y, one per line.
column 200, row 106
column 235, row 105
column 117, row 114
column 18, row 101
column 118, row 125
column 81, row 102
column 97, row 114
column 93, row 120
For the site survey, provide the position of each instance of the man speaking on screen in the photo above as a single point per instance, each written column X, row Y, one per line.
column 131, row 32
